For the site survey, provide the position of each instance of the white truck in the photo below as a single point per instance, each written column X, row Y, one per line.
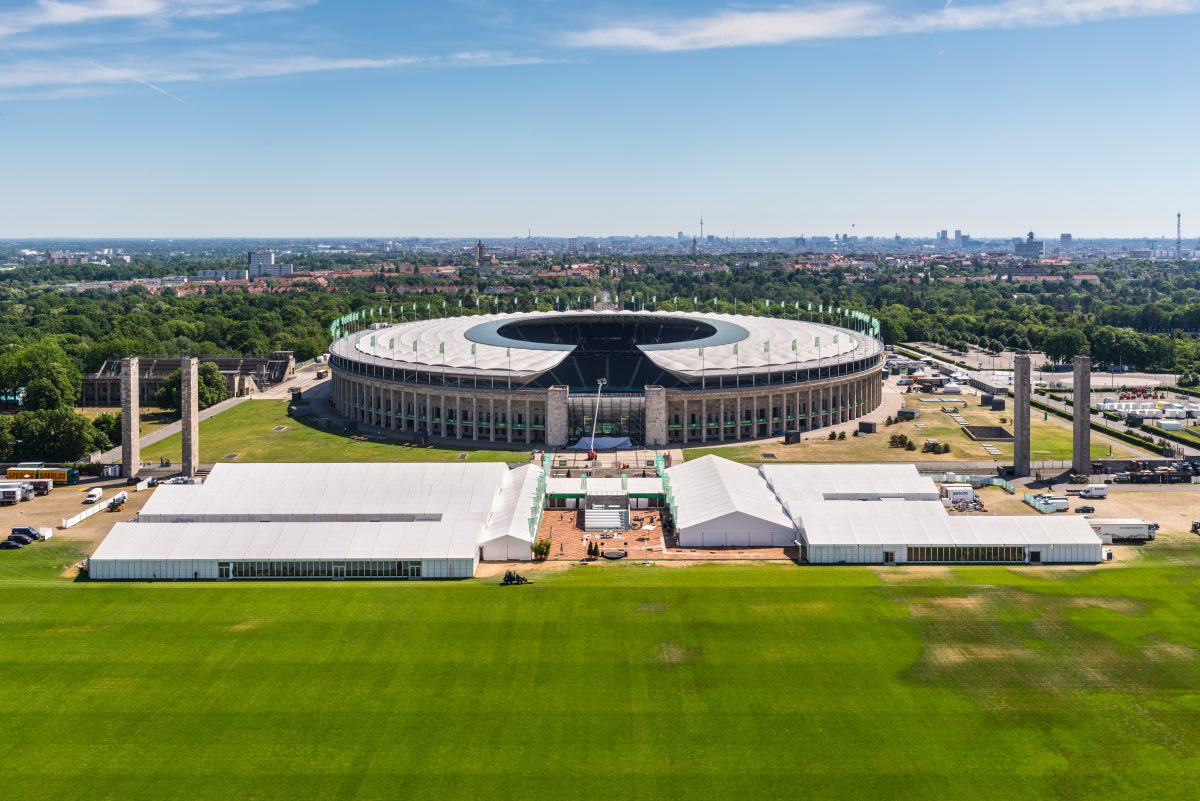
column 1110, row 530
column 1094, row 491
column 959, row 492
column 21, row 491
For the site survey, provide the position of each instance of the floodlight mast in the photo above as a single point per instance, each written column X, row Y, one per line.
column 596, row 415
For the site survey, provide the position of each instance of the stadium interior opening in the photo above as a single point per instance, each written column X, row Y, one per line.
column 608, row 349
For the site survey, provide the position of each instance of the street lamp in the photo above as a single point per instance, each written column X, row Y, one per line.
column 596, row 415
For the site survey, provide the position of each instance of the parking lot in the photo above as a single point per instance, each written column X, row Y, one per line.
column 48, row 511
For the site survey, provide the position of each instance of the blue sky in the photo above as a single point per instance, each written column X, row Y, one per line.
column 489, row 118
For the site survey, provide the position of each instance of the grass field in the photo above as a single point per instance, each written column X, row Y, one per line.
column 152, row 418
column 1050, row 440
column 619, row 682
column 248, row 430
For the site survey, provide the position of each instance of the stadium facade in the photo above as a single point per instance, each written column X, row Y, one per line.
column 669, row 378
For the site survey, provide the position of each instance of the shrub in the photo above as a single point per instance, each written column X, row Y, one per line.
column 911, row 446
column 833, row 435
column 841, row 435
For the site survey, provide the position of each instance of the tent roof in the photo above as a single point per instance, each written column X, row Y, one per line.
column 920, row 529
column 313, row 492
column 510, row 516
column 289, row 541
column 710, row 488
column 795, row 483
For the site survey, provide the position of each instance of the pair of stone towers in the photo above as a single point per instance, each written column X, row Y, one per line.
column 131, row 407
column 1081, row 451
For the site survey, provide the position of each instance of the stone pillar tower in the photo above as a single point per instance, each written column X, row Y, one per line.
column 656, row 417
column 556, row 416
column 189, row 398
column 1022, row 409
column 1081, row 402
column 131, row 417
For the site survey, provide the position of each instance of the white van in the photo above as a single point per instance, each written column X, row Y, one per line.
column 1094, row 491
column 93, row 495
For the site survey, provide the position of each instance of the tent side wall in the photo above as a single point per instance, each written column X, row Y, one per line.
column 736, row 531
column 507, row 549
column 150, row 569
column 847, row 554
column 1070, row 554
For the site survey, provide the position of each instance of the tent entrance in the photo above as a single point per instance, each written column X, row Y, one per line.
column 339, row 571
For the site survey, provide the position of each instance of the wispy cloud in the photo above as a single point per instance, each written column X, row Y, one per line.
column 781, row 25
column 62, row 78
column 57, row 13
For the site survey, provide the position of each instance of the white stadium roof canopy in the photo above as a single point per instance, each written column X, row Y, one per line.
column 434, row 345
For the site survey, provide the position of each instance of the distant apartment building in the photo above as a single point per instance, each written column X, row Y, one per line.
column 1065, row 241
column 1029, row 249
column 59, row 257
column 261, row 264
column 224, row 275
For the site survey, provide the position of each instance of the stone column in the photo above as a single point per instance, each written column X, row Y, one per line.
column 556, row 416
column 475, row 418
column 189, row 397
column 528, row 421
column 656, row 417
column 491, row 419
column 721, row 421
column 131, row 418
column 1081, row 400
column 508, row 421
column 1022, row 410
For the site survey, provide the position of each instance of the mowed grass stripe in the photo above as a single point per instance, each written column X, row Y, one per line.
column 718, row 681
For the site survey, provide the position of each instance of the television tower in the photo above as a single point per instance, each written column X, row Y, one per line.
column 1179, row 235
column 702, row 227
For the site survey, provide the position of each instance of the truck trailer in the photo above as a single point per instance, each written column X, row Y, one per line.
column 1111, row 530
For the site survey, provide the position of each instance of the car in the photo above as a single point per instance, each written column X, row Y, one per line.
column 9, row 545
column 93, row 495
column 27, row 531
column 1085, row 510
column 21, row 538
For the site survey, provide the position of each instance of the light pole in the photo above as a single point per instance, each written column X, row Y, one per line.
column 596, row 415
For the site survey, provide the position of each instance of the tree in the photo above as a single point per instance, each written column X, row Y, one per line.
column 52, row 435
column 1065, row 343
column 213, row 388
column 50, row 377
column 109, row 425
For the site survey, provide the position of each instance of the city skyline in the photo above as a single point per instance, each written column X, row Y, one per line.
column 284, row 118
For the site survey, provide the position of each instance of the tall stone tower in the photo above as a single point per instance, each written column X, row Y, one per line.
column 1022, row 397
column 1081, row 402
column 131, row 418
column 189, row 398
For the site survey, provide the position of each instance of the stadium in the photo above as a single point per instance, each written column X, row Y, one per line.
column 649, row 379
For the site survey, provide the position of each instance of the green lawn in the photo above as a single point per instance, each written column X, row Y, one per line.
column 754, row 681
column 248, row 430
column 1050, row 440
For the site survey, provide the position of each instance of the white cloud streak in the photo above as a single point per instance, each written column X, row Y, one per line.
column 860, row 20
column 58, row 13
column 51, row 79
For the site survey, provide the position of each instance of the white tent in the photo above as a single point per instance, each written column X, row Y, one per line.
column 511, row 527
column 721, row 503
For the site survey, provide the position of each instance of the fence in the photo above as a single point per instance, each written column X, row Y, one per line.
column 976, row 481
column 84, row 515
column 1042, row 506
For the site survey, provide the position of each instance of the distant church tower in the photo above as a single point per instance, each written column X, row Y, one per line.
column 479, row 253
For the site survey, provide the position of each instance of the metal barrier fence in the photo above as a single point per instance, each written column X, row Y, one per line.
column 1042, row 506
column 84, row 515
column 976, row 481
